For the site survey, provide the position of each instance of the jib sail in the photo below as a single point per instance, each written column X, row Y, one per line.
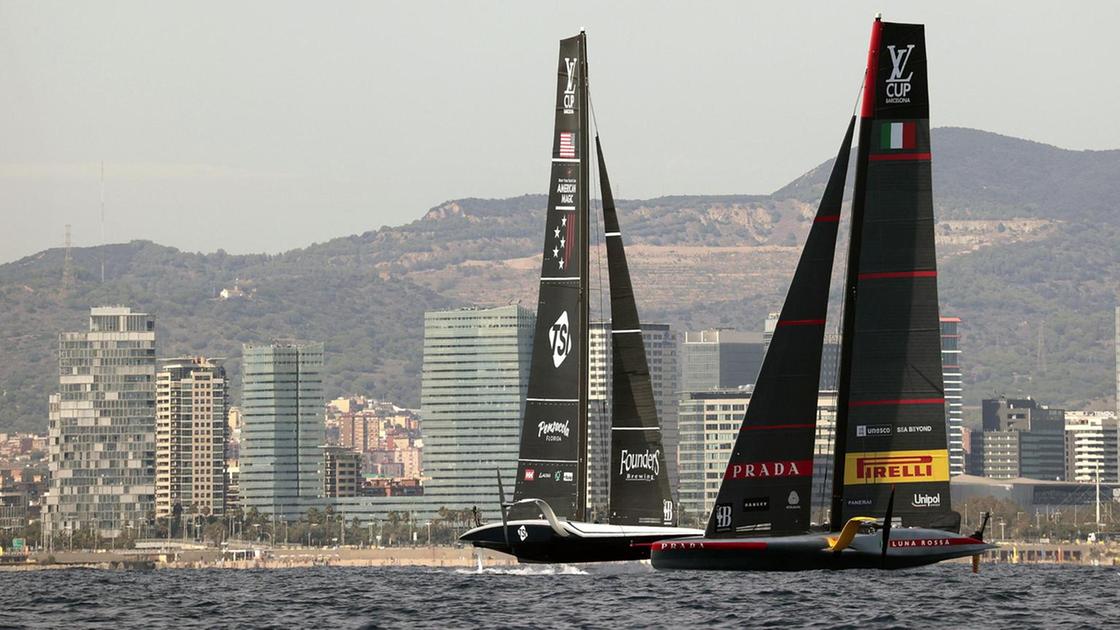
column 767, row 486
column 639, row 477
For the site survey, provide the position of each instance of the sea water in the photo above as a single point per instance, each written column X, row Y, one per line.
column 610, row 596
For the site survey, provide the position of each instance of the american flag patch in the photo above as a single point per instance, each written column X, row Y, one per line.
column 567, row 144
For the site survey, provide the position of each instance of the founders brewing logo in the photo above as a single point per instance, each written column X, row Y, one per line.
column 639, row 466
column 560, row 339
column 553, row 431
column 570, row 89
column 898, row 85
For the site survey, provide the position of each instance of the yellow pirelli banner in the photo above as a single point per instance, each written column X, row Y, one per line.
column 896, row 467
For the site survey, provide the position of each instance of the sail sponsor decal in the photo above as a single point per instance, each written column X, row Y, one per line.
column 564, row 232
column 896, row 467
column 924, row 500
column 522, row 533
column 639, row 466
column 762, row 470
column 554, row 431
column 793, row 500
column 722, row 514
column 873, row 430
column 530, row 474
column 756, row 504
column 898, row 135
column 933, row 542
column 667, row 511
column 571, row 65
column 898, row 83
column 560, row 338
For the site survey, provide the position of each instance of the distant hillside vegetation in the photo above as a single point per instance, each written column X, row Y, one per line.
column 1028, row 239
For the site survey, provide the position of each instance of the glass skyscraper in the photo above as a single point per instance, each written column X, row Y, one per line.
column 282, row 414
column 475, row 375
column 102, row 426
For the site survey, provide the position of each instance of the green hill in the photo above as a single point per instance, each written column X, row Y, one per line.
column 697, row 260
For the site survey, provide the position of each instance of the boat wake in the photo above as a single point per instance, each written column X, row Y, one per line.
column 546, row 569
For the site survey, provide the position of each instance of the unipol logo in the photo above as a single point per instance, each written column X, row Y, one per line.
column 560, row 339
column 639, row 465
column 570, row 90
column 898, row 84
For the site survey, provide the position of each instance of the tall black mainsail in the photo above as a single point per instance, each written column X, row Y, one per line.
column 767, row 486
column 554, row 429
column 891, row 406
column 639, row 478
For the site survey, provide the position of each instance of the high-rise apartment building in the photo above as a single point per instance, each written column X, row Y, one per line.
column 474, row 379
column 1091, row 446
column 102, row 433
column 720, row 359
column 282, row 428
column 661, row 355
column 192, row 415
column 954, row 391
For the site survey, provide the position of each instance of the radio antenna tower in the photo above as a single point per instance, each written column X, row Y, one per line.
column 102, row 221
column 67, row 267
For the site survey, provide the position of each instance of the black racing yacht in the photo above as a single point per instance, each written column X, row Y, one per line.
column 890, row 425
column 547, row 521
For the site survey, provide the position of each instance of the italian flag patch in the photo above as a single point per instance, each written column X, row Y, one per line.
column 899, row 135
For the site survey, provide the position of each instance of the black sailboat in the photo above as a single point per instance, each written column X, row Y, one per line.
column 547, row 520
column 890, row 431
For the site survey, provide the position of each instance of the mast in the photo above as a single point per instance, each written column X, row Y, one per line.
column 847, row 325
column 639, row 477
column 552, row 454
column 585, row 275
column 890, row 429
column 767, row 485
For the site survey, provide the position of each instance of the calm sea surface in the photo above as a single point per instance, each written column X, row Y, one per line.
column 618, row 596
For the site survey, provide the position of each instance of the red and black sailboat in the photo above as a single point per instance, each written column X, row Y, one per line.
column 547, row 520
column 890, row 498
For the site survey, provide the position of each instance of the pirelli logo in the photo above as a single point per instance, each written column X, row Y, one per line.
column 896, row 467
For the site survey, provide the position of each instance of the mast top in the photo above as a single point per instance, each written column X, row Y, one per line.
column 878, row 15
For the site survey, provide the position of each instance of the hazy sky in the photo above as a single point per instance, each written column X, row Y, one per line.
column 262, row 126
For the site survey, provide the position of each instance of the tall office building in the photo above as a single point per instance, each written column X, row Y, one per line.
column 720, row 359
column 192, row 414
column 1091, row 446
column 282, row 428
column 474, row 379
column 953, row 381
column 661, row 355
column 1022, row 438
column 102, row 433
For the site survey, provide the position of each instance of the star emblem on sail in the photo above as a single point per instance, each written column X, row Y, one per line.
column 563, row 234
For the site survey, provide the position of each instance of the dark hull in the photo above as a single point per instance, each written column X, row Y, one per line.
column 911, row 547
column 537, row 542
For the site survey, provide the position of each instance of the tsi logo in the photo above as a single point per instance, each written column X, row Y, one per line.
column 560, row 339
column 898, row 86
column 522, row 533
column 723, row 516
column 923, row 500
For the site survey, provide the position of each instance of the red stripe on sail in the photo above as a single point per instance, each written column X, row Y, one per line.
column 776, row 427
column 570, row 240
column 886, row 275
column 871, row 75
column 893, row 157
column 828, row 218
column 897, row 401
column 800, row 322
